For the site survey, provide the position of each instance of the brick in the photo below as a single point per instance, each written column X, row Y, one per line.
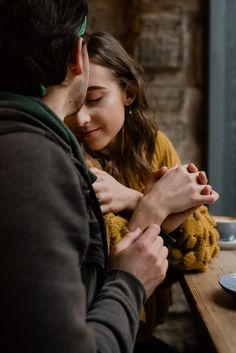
column 161, row 41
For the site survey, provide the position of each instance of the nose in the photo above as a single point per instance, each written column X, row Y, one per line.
column 83, row 116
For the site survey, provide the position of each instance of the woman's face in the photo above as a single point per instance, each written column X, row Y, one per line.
column 102, row 116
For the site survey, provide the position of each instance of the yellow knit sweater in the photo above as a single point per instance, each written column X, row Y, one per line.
column 196, row 239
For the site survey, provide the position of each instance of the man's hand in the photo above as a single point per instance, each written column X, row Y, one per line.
column 143, row 255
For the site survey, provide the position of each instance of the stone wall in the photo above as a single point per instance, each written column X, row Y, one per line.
column 168, row 37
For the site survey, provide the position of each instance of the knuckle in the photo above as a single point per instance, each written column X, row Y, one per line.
column 152, row 256
column 166, row 251
column 160, row 240
column 192, row 191
column 155, row 229
column 141, row 246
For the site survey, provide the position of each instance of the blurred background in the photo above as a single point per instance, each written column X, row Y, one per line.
column 188, row 51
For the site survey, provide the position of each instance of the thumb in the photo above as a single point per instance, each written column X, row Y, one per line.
column 128, row 239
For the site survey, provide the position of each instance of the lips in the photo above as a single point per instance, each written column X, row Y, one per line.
column 88, row 133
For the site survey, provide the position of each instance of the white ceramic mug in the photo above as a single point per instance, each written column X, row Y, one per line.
column 226, row 226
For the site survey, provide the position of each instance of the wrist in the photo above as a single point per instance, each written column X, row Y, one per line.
column 133, row 199
column 154, row 208
column 146, row 213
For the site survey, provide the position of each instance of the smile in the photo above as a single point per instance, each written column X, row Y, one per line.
column 88, row 133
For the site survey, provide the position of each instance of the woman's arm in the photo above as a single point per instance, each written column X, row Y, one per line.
column 196, row 237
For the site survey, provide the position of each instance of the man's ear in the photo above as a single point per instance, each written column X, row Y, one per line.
column 130, row 95
column 77, row 66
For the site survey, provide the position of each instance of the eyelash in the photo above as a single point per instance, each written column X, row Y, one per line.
column 93, row 101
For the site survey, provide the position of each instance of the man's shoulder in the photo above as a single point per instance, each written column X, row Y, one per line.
column 15, row 121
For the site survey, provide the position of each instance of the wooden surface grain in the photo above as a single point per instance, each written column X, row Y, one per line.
column 215, row 308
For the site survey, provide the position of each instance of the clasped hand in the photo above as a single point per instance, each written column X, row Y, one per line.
column 171, row 195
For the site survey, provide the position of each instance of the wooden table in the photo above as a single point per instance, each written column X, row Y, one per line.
column 215, row 308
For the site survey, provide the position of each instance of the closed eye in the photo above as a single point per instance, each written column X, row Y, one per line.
column 93, row 101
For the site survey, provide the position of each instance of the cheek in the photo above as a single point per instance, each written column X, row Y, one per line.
column 114, row 120
column 116, row 111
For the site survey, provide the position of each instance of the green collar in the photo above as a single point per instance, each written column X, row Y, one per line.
column 40, row 111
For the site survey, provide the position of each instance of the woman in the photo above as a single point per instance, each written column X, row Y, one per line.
column 122, row 141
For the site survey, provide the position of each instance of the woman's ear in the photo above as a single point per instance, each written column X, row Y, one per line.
column 76, row 66
column 130, row 95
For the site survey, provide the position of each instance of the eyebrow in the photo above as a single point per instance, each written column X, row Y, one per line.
column 94, row 88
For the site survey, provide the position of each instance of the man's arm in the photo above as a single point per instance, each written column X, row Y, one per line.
column 44, row 236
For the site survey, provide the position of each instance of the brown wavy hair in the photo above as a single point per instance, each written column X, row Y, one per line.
column 138, row 134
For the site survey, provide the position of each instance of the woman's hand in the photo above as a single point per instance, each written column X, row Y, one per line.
column 177, row 191
column 112, row 195
column 173, row 221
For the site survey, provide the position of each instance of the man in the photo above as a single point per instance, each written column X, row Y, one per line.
column 57, row 292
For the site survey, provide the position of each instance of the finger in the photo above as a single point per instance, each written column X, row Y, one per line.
column 209, row 199
column 165, row 266
column 202, row 178
column 164, row 253
column 96, row 187
column 105, row 208
column 95, row 170
column 128, row 239
column 191, row 168
column 159, row 173
column 150, row 234
column 207, row 190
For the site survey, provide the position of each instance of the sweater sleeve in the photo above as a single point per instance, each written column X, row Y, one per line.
column 196, row 238
column 44, row 238
column 196, row 242
column 116, row 228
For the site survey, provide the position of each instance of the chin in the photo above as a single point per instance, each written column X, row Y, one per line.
column 96, row 148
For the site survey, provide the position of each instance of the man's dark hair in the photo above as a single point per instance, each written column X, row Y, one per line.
column 37, row 41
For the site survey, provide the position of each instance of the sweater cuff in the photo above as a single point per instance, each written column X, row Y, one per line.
column 135, row 285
